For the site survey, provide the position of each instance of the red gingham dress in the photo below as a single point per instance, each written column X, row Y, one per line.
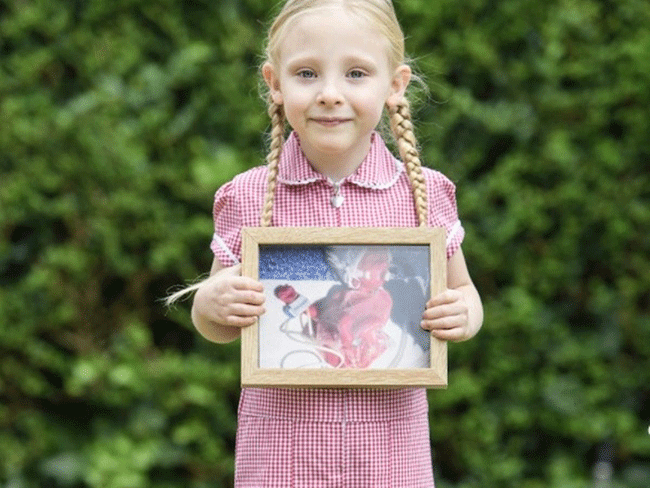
column 326, row 438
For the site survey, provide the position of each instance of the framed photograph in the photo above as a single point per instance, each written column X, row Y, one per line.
column 343, row 307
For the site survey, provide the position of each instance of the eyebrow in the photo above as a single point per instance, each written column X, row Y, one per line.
column 300, row 60
column 351, row 60
column 358, row 59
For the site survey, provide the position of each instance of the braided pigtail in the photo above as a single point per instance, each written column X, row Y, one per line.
column 276, row 112
column 402, row 127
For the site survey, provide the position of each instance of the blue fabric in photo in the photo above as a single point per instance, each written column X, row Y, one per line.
column 294, row 263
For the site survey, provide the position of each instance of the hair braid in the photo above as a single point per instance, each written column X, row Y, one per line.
column 402, row 127
column 276, row 113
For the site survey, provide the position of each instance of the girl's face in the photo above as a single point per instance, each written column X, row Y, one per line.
column 333, row 79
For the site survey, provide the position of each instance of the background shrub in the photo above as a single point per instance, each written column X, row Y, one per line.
column 120, row 119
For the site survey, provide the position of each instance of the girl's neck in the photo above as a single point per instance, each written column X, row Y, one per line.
column 334, row 165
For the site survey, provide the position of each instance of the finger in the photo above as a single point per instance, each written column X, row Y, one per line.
column 232, row 277
column 248, row 296
column 441, row 311
column 238, row 315
column 448, row 334
column 443, row 323
column 245, row 310
column 246, row 283
column 238, row 321
column 446, row 297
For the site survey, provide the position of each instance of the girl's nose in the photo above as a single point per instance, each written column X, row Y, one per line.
column 329, row 94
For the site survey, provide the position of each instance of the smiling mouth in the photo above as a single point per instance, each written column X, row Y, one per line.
column 330, row 122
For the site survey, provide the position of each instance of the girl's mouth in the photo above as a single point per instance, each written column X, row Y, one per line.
column 330, row 122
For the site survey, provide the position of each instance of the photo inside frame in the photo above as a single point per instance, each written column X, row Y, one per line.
column 344, row 306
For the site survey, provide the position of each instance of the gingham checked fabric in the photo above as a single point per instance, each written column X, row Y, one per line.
column 332, row 438
column 378, row 194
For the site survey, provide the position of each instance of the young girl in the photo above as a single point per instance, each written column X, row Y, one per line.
column 332, row 67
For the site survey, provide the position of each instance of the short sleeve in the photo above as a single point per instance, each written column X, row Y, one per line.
column 226, row 241
column 443, row 211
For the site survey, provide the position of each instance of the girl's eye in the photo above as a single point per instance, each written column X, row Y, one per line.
column 306, row 73
column 356, row 74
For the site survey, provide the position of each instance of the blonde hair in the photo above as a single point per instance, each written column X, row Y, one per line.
column 381, row 14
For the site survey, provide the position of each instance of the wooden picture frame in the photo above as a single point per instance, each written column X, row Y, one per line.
column 343, row 307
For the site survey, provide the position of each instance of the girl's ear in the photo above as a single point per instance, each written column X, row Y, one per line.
column 400, row 81
column 273, row 82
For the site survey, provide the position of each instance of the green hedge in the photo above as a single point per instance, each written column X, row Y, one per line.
column 119, row 120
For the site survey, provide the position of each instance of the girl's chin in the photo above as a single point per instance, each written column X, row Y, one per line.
column 335, row 140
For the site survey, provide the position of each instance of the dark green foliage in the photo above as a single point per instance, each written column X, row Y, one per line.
column 119, row 120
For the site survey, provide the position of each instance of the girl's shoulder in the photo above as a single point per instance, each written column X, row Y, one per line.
column 443, row 208
column 239, row 202
column 437, row 180
column 249, row 182
column 253, row 177
column 244, row 190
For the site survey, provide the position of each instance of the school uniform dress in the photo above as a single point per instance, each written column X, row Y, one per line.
column 327, row 438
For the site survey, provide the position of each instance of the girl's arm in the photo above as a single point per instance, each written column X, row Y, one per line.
column 457, row 313
column 226, row 302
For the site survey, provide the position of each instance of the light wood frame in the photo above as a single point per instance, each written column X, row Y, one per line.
column 433, row 376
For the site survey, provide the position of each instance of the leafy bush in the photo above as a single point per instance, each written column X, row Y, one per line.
column 120, row 120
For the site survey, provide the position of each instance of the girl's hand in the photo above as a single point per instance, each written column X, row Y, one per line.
column 229, row 299
column 455, row 314
column 447, row 316
column 226, row 302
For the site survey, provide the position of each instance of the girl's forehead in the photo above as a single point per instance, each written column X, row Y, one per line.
column 330, row 22
column 331, row 13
